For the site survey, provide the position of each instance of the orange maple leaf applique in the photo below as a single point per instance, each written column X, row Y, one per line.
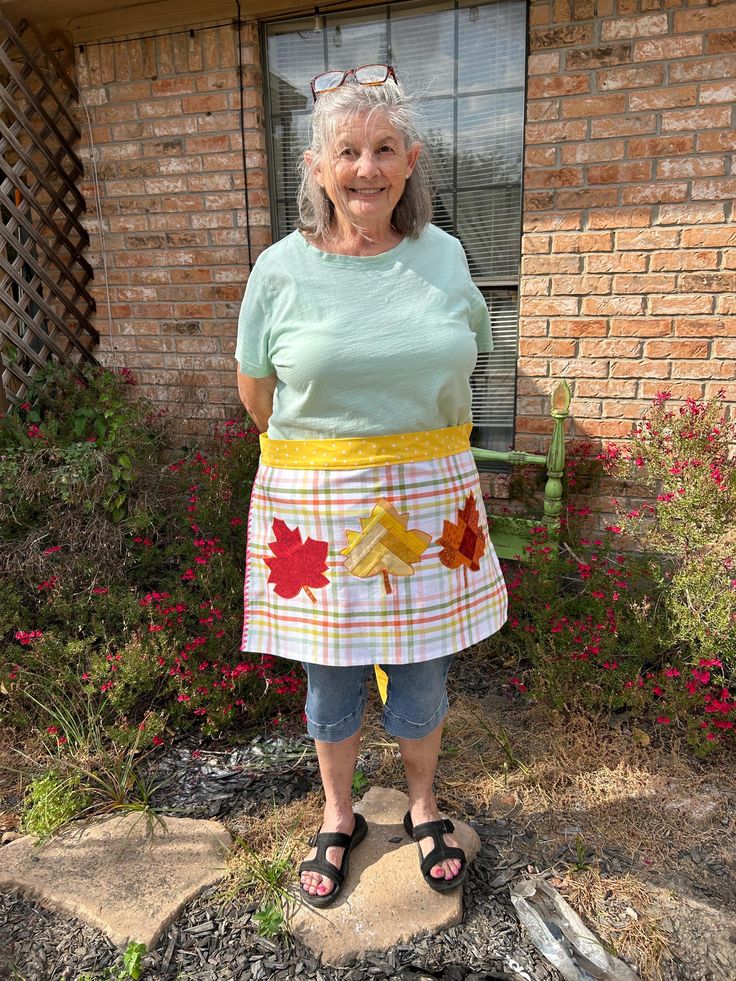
column 296, row 565
column 384, row 546
column 463, row 541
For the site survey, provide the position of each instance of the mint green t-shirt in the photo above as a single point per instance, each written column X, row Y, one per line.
column 363, row 345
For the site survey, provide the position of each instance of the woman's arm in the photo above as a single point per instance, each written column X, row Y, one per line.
column 256, row 394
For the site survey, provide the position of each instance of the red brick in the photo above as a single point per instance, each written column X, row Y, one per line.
column 691, row 214
column 538, row 367
column 648, row 238
column 714, row 189
column 594, row 105
column 664, row 48
column 535, row 243
column 724, row 348
column 668, row 97
column 534, row 286
column 702, row 69
column 559, row 327
column 606, row 389
column 624, row 125
column 548, row 306
column 540, row 156
column 675, row 348
column 640, row 327
column 705, row 19
column 681, row 304
column 684, row 259
column 607, row 150
column 608, row 262
column 598, row 57
column 553, row 85
column 580, row 285
column 547, row 348
column 574, row 129
column 694, row 238
column 562, row 177
column 598, row 198
column 579, row 368
column 708, row 282
column 541, row 265
column 179, row 85
column 551, row 222
column 612, row 305
column 622, row 408
column 621, row 173
column 645, row 283
column 696, row 119
column 717, row 42
column 678, row 390
column 602, row 429
column 543, row 62
column 560, row 37
column 620, row 218
column 656, row 146
column 209, row 102
column 701, row 326
column 654, row 193
column 717, row 141
column 640, row 369
column 713, row 92
column 626, row 78
column 710, row 369
column 629, row 27
column 582, row 242
column 610, row 348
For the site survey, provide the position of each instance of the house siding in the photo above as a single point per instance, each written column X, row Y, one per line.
column 165, row 125
column 628, row 272
column 628, row 253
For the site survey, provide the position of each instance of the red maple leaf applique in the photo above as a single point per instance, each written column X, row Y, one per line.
column 464, row 541
column 296, row 565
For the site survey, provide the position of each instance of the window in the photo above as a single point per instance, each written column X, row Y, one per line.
column 467, row 60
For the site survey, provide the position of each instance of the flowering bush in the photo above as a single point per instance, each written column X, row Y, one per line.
column 153, row 631
column 651, row 630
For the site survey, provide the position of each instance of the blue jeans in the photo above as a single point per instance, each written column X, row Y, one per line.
column 416, row 704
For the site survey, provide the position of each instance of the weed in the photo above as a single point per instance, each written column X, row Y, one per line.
column 360, row 782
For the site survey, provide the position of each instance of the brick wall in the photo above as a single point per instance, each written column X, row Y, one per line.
column 166, row 132
column 629, row 247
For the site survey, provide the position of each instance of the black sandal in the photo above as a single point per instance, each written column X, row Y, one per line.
column 332, row 839
column 440, row 852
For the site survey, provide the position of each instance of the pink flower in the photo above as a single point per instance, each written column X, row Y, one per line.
column 52, row 730
column 614, row 529
column 28, row 636
column 157, row 741
column 51, row 549
column 100, row 590
column 664, row 720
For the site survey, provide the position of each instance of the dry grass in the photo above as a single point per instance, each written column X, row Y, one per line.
column 622, row 913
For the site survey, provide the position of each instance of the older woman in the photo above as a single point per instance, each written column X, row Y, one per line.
column 367, row 541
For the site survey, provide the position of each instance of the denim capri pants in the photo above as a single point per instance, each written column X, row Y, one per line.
column 416, row 704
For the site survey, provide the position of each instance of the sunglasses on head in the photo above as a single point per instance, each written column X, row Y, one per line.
column 365, row 75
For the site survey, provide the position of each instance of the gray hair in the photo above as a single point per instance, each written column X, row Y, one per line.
column 413, row 212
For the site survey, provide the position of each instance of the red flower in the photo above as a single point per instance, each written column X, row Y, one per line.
column 664, row 720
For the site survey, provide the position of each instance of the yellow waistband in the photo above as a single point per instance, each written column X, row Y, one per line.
column 364, row 451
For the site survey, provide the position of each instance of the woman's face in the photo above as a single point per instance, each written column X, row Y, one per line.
column 365, row 170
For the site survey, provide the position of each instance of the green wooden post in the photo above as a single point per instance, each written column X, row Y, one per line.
column 556, row 457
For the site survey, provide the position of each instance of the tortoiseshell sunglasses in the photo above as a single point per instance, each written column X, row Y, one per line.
column 365, row 75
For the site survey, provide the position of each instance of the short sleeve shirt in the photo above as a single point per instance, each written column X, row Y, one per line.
column 364, row 345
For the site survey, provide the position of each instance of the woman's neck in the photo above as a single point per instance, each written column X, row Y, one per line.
column 347, row 239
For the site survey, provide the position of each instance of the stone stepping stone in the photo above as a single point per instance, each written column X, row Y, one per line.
column 119, row 874
column 385, row 900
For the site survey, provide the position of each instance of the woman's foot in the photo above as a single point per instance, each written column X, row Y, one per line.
column 422, row 812
column 316, row 883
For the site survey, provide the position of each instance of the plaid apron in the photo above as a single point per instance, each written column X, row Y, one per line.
column 381, row 563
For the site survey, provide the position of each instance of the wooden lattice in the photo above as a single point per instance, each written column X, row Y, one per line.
column 44, row 304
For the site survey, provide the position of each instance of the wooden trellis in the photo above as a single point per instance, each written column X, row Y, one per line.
column 44, row 303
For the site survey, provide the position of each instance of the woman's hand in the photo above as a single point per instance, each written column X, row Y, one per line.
column 256, row 394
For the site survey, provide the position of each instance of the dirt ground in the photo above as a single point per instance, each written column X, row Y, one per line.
column 640, row 839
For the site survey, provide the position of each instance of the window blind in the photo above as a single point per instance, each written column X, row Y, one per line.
column 466, row 62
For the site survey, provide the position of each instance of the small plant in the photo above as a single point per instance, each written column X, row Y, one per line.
column 51, row 801
column 581, row 863
column 132, row 959
column 269, row 919
column 360, row 782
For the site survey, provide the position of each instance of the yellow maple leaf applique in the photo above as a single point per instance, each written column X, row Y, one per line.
column 384, row 546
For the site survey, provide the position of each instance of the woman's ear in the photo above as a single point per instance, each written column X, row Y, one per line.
column 313, row 168
column 412, row 155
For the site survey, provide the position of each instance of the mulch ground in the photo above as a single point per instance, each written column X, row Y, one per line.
column 640, row 840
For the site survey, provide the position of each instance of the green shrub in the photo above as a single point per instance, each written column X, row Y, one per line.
column 52, row 801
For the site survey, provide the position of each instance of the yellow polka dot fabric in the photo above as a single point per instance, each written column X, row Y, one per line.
column 365, row 451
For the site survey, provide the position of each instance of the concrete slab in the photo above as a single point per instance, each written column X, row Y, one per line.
column 116, row 875
column 385, row 900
